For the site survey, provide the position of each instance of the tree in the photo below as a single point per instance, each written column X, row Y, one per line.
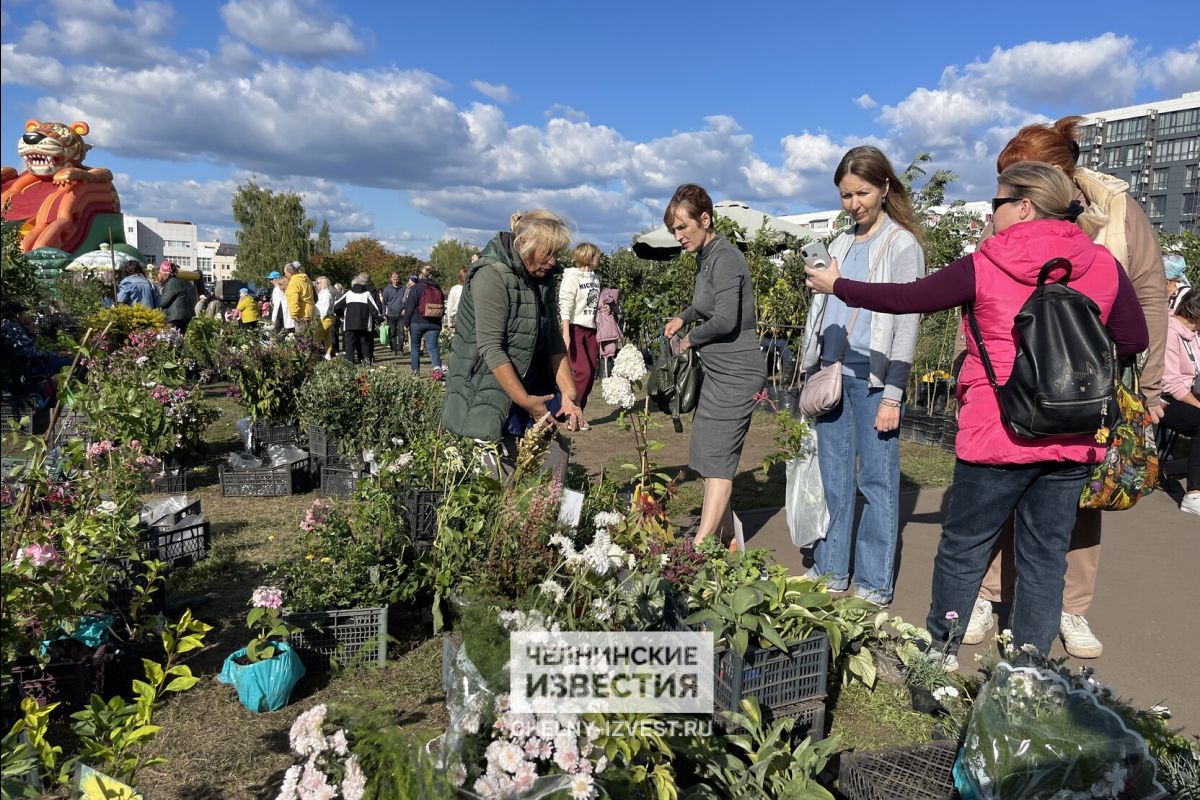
column 449, row 256
column 18, row 278
column 274, row 231
column 324, row 244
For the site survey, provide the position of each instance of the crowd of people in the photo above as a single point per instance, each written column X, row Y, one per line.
column 526, row 341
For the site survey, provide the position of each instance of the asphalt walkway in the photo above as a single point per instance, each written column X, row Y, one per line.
column 1145, row 609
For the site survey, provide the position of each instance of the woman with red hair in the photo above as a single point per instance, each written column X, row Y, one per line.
column 1114, row 219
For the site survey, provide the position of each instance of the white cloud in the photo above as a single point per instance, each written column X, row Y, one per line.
column 494, row 91
column 102, row 33
column 865, row 101
column 1175, row 71
column 560, row 111
column 300, row 28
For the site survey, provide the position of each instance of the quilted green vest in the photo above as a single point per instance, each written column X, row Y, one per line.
column 476, row 406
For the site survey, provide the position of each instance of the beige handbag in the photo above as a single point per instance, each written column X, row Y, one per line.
column 822, row 391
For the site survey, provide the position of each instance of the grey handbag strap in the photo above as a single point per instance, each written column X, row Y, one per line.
column 854, row 316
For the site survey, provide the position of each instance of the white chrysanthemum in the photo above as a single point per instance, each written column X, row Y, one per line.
column 510, row 758
column 617, row 391
column 553, row 589
column 601, row 609
column 607, row 519
column 629, row 364
column 582, row 787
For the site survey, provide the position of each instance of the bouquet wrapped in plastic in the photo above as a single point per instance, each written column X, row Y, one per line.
column 1033, row 736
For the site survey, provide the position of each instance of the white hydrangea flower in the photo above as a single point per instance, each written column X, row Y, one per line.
column 552, row 589
column 617, row 391
column 629, row 364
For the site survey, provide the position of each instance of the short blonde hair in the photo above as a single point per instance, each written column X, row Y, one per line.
column 539, row 228
column 1049, row 190
column 586, row 254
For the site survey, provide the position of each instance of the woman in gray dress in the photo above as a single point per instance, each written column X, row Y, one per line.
column 727, row 344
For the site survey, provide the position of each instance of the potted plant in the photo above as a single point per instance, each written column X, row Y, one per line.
column 340, row 590
column 928, row 672
column 269, row 376
column 265, row 671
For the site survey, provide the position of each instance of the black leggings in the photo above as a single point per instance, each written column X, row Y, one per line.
column 358, row 346
column 1185, row 419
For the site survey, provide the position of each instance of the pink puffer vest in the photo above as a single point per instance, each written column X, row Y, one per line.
column 1006, row 271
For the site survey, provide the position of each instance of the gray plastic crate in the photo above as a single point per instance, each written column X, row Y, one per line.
column 23, row 411
column 339, row 481
column 777, row 678
column 266, row 481
column 353, row 636
column 420, row 511
column 266, row 433
column 169, row 484
column 166, row 513
column 809, row 716
column 322, row 446
column 918, row 772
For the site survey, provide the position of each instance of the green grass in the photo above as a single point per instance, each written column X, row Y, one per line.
column 866, row 719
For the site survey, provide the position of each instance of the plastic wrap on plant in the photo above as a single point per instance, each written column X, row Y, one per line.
column 245, row 429
column 243, row 461
column 1032, row 735
column 264, row 685
column 469, row 703
column 92, row 631
column 804, row 504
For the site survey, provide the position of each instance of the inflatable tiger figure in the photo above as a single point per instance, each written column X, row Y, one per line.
column 57, row 197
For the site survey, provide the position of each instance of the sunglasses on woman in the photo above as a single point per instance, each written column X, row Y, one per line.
column 1000, row 201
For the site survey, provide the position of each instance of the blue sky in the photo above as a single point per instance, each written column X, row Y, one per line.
column 413, row 121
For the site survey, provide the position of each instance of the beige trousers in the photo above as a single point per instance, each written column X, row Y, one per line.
column 1083, row 564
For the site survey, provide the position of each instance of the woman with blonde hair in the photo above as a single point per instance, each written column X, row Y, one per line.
column 510, row 368
column 1114, row 219
column 578, row 300
column 323, row 316
column 726, row 342
column 859, row 439
column 998, row 472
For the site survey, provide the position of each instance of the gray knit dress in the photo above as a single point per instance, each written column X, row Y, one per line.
column 726, row 341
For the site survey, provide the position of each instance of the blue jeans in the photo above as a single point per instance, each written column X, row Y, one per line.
column 1045, row 498
column 846, row 436
column 429, row 332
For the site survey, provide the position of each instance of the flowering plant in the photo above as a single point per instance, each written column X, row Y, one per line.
column 269, row 374
column 1034, row 735
column 330, row 770
column 267, row 616
column 930, row 668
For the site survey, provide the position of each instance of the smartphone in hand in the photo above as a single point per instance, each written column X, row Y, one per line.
column 815, row 255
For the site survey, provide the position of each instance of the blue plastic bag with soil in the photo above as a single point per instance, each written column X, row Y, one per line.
column 264, row 685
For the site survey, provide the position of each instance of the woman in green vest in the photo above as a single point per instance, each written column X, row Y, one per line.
column 510, row 367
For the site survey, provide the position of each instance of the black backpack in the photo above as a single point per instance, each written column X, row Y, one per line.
column 1063, row 381
column 674, row 382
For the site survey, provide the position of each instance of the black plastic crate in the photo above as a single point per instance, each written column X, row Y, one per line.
column 169, row 484
column 72, row 425
column 339, row 481
column 266, row 481
column 122, row 590
column 355, row 637
column 14, row 409
column 266, row 433
column 919, row 427
column 949, row 434
column 919, row 772
column 322, row 446
column 68, row 683
column 779, row 679
column 179, row 546
column 420, row 512
column 170, row 511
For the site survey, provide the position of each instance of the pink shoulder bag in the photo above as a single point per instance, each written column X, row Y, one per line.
column 822, row 391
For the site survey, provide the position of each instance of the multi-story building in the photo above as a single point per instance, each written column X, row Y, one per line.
column 1155, row 147
column 178, row 241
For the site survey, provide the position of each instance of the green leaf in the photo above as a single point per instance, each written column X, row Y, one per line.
column 182, row 684
column 771, row 635
column 745, row 598
column 144, row 732
column 741, row 641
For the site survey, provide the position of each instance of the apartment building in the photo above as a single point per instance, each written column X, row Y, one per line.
column 1155, row 147
column 178, row 241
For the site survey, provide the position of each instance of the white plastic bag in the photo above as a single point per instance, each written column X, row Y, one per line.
column 804, row 506
column 245, row 429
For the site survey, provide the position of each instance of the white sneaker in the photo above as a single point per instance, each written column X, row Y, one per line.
column 1077, row 637
column 949, row 661
column 1191, row 503
column 981, row 621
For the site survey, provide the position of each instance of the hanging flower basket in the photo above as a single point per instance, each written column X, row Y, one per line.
column 263, row 685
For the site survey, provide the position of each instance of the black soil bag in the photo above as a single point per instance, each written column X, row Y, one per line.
column 1063, row 381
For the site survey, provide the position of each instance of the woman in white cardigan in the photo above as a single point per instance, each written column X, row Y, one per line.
column 858, row 441
column 578, row 299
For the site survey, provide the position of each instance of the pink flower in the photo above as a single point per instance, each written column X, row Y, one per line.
column 951, row 615
column 267, row 597
column 38, row 554
column 97, row 449
column 135, row 444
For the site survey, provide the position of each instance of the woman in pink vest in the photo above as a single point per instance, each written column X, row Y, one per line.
column 997, row 472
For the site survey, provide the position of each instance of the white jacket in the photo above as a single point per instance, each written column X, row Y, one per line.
column 279, row 304
column 579, row 297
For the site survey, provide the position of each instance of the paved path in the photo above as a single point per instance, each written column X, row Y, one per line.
column 1145, row 611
